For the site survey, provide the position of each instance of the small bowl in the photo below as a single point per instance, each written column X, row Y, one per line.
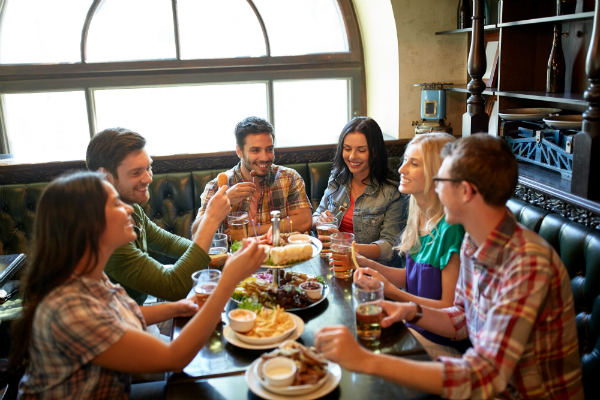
column 314, row 294
column 241, row 320
column 279, row 371
column 299, row 239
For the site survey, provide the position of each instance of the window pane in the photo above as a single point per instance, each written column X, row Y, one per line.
column 47, row 126
column 297, row 27
column 325, row 102
column 42, row 31
column 128, row 30
column 176, row 120
column 228, row 28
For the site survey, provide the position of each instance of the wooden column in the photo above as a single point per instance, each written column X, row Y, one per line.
column 475, row 120
column 586, row 144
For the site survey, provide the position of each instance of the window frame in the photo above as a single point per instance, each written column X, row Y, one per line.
column 34, row 78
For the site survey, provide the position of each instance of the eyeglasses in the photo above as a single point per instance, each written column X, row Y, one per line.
column 436, row 180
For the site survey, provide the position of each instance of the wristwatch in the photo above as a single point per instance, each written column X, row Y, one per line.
column 418, row 315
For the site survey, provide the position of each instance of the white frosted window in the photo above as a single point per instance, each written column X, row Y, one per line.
column 176, row 120
column 219, row 29
column 42, row 31
column 131, row 30
column 297, row 27
column 322, row 102
column 47, row 126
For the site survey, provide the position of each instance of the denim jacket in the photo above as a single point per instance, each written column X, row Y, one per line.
column 377, row 212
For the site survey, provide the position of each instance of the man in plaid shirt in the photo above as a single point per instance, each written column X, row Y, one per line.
column 272, row 187
column 513, row 297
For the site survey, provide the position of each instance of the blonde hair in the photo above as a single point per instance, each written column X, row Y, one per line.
column 430, row 145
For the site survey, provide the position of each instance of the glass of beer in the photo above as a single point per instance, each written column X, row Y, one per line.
column 323, row 227
column 218, row 251
column 238, row 225
column 367, row 297
column 341, row 251
column 205, row 282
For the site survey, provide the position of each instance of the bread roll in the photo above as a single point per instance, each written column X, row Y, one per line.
column 291, row 252
column 222, row 179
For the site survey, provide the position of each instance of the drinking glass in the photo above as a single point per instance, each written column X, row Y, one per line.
column 367, row 297
column 341, row 248
column 205, row 282
column 238, row 225
column 218, row 251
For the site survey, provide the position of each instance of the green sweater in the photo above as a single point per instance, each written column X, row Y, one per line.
column 140, row 275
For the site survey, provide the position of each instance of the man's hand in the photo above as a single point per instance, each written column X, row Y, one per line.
column 240, row 191
column 218, row 206
column 338, row 345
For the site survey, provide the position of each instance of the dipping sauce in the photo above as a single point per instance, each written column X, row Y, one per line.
column 310, row 286
column 280, row 371
column 241, row 315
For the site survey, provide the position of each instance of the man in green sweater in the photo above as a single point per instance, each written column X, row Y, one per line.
column 120, row 153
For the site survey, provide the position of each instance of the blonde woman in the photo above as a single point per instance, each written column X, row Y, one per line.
column 430, row 244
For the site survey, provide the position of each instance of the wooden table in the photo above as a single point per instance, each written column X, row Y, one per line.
column 217, row 371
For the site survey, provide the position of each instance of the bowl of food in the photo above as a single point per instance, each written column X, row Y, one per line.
column 279, row 371
column 270, row 326
column 314, row 290
column 241, row 320
column 299, row 239
column 312, row 369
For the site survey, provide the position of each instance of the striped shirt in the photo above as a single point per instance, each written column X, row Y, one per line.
column 514, row 301
column 282, row 189
column 72, row 325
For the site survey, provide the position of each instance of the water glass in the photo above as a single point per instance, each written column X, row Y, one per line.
column 205, row 282
column 341, row 248
column 238, row 225
column 367, row 298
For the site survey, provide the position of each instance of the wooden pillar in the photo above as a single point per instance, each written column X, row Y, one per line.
column 475, row 120
column 586, row 144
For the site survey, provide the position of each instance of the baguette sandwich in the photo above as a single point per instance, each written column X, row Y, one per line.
column 291, row 252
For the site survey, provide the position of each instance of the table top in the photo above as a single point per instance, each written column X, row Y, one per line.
column 218, row 368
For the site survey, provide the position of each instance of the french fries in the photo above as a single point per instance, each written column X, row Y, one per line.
column 270, row 323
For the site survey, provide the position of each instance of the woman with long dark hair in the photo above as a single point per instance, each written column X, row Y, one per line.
column 80, row 336
column 363, row 191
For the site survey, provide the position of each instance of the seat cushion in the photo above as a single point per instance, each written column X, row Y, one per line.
column 528, row 215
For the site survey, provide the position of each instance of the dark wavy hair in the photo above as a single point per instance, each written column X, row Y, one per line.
column 252, row 126
column 108, row 148
column 69, row 221
column 378, row 156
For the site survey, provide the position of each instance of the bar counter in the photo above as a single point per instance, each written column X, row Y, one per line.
column 217, row 372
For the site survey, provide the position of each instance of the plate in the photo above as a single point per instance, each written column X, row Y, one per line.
column 290, row 390
column 317, row 246
column 229, row 334
column 267, row 340
column 333, row 380
column 565, row 121
column 325, row 293
column 527, row 114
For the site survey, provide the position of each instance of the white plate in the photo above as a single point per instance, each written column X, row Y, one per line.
column 290, row 390
column 267, row 340
column 527, row 114
column 565, row 121
column 333, row 380
column 317, row 246
column 229, row 334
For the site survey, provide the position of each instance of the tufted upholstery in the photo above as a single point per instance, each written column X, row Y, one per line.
column 579, row 249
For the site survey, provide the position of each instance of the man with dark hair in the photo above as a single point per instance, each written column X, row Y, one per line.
column 513, row 297
column 271, row 187
column 120, row 153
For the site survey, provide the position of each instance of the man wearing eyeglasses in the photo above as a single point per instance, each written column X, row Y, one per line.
column 513, row 298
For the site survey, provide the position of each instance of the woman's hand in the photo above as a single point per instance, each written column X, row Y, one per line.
column 337, row 261
column 372, row 274
column 186, row 307
column 325, row 217
column 243, row 262
column 338, row 345
column 394, row 312
column 326, row 240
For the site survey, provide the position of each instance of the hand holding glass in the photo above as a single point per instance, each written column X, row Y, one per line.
column 341, row 247
column 205, row 282
column 367, row 298
column 238, row 225
column 218, row 251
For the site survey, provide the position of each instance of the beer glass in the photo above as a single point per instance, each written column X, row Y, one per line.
column 218, row 251
column 367, row 297
column 341, row 251
column 205, row 282
column 238, row 225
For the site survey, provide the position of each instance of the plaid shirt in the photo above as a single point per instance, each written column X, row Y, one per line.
column 72, row 325
column 514, row 302
column 282, row 189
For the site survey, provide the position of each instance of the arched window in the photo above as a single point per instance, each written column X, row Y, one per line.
column 180, row 72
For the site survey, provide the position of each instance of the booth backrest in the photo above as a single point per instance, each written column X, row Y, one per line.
column 579, row 249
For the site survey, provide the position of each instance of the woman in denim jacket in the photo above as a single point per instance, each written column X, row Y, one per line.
column 362, row 185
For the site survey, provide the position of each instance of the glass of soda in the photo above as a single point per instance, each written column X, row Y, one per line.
column 341, row 251
column 367, row 297
column 238, row 225
column 218, row 251
column 205, row 282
